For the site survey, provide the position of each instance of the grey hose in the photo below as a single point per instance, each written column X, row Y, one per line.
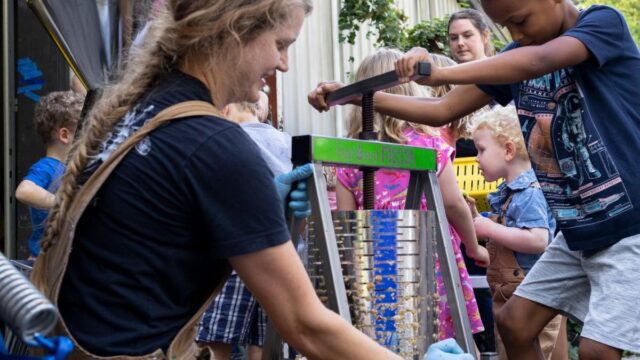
column 22, row 307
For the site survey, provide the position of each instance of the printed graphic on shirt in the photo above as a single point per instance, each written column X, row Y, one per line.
column 130, row 123
column 576, row 173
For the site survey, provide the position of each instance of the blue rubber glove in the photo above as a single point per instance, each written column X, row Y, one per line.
column 299, row 204
column 446, row 350
column 299, row 198
column 59, row 347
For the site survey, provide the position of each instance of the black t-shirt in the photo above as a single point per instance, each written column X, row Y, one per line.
column 153, row 243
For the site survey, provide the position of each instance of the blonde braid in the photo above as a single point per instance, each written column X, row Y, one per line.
column 185, row 30
column 150, row 61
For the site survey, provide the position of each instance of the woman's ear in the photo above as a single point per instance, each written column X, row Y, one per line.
column 486, row 36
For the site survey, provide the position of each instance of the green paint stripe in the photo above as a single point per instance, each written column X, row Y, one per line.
column 372, row 153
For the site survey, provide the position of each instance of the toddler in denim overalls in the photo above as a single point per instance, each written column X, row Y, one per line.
column 521, row 224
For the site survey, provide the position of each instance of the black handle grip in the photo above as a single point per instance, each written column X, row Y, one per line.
column 373, row 84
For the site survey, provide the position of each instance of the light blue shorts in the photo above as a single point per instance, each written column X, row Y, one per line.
column 602, row 291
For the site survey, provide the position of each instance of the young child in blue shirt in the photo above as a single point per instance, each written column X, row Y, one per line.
column 573, row 76
column 522, row 224
column 56, row 117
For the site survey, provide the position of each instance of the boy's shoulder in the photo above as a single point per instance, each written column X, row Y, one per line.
column 44, row 171
column 522, row 189
column 604, row 10
column 600, row 15
column 46, row 163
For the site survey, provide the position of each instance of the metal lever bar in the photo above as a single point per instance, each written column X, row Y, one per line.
column 373, row 84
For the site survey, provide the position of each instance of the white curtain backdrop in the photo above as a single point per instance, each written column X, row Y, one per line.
column 317, row 55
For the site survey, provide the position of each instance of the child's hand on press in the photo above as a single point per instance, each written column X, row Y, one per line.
column 480, row 255
column 471, row 202
column 318, row 96
column 406, row 65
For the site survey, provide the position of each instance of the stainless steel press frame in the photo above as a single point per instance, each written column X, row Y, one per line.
column 369, row 156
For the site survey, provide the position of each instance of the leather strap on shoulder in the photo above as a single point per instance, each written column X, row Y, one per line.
column 51, row 265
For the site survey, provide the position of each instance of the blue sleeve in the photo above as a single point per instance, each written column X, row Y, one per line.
column 495, row 201
column 235, row 196
column 602, row 30
column 40, row 174
column 528, row 209
column 500, row 93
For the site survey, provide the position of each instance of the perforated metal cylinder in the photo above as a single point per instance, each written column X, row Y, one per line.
column 390, row 296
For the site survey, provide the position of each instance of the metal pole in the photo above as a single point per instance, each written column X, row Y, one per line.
column 368, row 133
column 327, row 244
column 8, row 126
column 448, row 267
column 427, row 278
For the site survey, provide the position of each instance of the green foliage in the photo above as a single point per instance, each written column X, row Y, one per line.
column 630, row 9
column 388, row 24
column 432, row 35
column 382, row 15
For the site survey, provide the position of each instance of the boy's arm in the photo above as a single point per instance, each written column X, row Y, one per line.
column 528, row 241
column 527, row 62
column 459, row 102
column 30, row 194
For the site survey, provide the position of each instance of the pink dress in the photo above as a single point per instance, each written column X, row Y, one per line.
column 390, row 194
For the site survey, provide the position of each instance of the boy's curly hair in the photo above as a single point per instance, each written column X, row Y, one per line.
column 56, row 110
column 503, row 124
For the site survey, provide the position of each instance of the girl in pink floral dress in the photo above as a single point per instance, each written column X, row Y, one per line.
column 391, row 186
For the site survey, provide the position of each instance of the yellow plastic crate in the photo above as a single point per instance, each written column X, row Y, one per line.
column 470, row 181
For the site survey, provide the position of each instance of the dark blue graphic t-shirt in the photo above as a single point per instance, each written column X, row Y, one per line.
column 582, row 126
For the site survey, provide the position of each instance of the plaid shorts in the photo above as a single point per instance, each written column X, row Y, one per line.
column 234, row 317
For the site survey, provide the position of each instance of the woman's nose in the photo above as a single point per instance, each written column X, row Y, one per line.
column 283, row 65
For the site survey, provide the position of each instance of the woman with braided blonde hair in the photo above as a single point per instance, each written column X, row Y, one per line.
column 139, row 240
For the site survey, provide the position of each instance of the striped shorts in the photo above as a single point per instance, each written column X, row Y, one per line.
column 234, row 317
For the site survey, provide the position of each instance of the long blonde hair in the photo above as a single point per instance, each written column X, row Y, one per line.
column 212, row 31
column 389, row 129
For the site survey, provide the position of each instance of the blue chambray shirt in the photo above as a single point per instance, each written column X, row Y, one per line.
column 528, row 209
